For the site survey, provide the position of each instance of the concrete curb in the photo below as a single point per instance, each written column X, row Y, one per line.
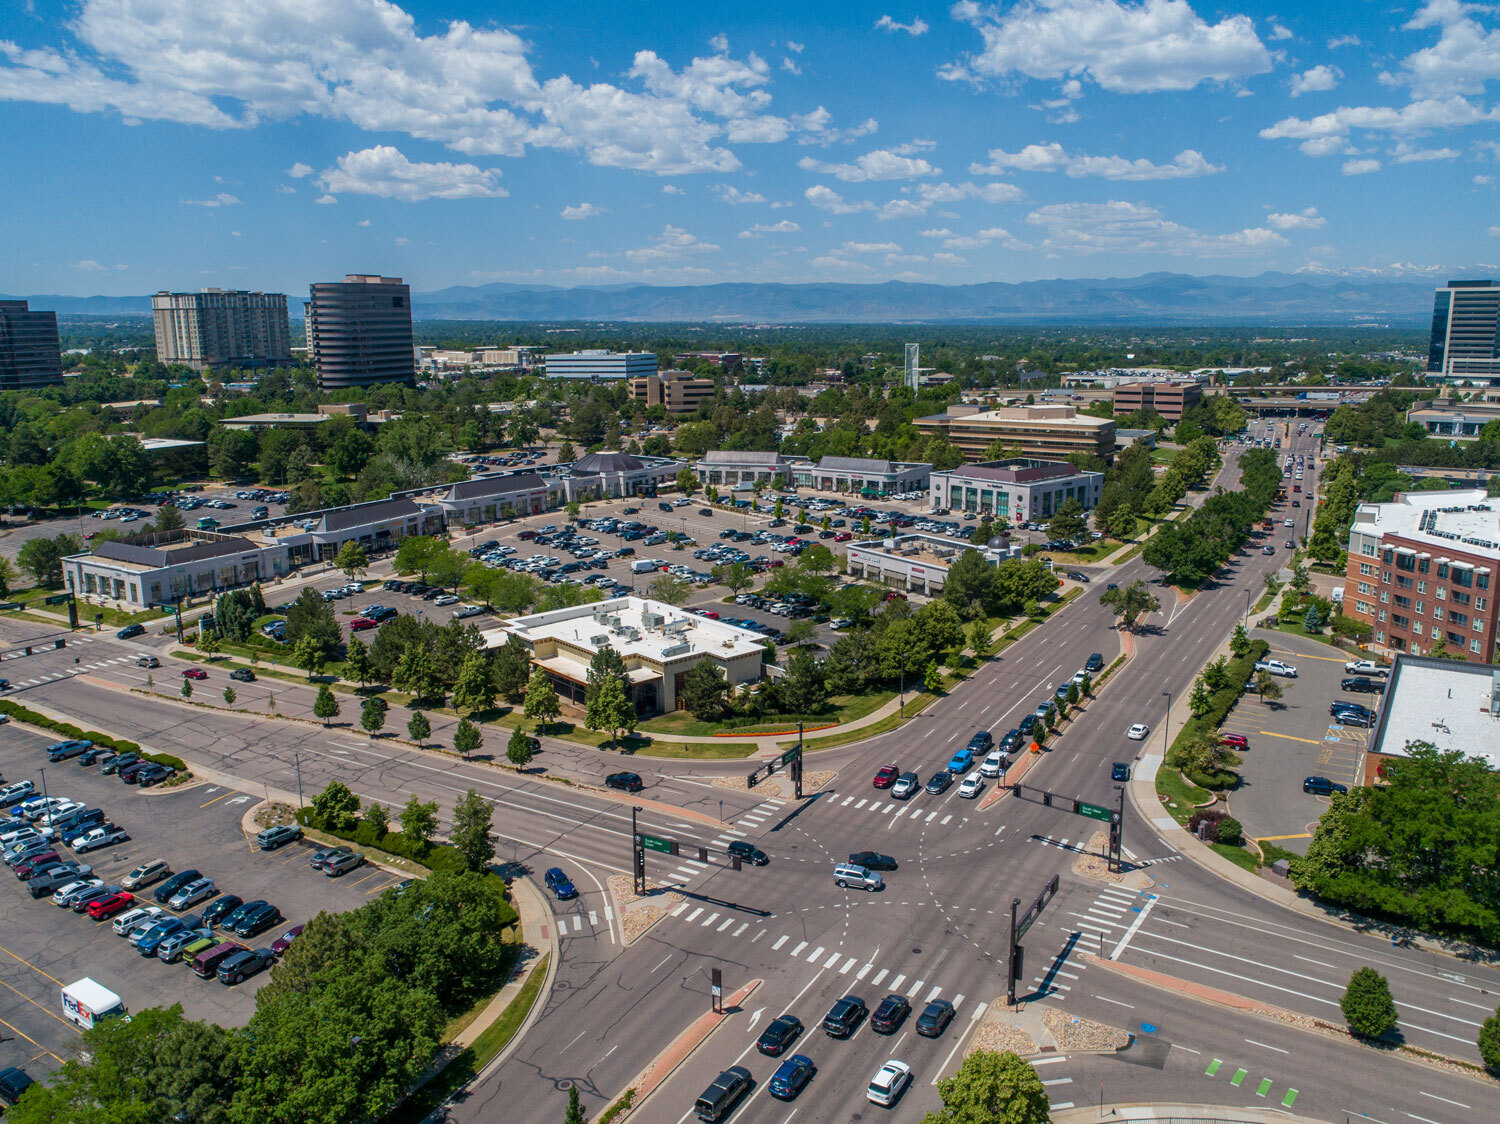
column 683, row 1047
column 528, row 900
column 1142, row 1112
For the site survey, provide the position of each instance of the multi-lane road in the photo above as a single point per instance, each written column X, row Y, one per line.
column 937, row 931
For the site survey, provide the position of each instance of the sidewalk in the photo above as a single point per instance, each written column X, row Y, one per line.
column 539, row 937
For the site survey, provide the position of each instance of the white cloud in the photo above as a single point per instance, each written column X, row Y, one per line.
column 1345, row 41
column 942, row 232
column 286, row 189
column 402, row 241
column 949, row 259
column 816, row 127
column 785, row 226
column 1484, row 181
column 918, row 25
column 1465, row 57
column 1406, row 153
column 671, row 189
column 89, row 265
column 326, row 200
column 1495, row 231
column 223, row 199
column 735, row 196
column 795, row 47
column 238, row 64
column 299, row 170
column 1316, row 80
column 1125, row 48
column 582, row 211
column 364, row 222
column 672, row 243
column 1187, row 164
column 790, row 65
column 983, row 238
column 880, row 164
column 870, row 248
column 1136, row 228
column 1278, row 30
column 826, row 199
column 1360, row 167
column 1306, row 219
column 385, row 171
column 903, row 209
column 1331, row 130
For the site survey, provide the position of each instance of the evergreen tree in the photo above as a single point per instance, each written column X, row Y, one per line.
column 611, row 709
column 378, row 819
column 418, row 727
column 470, row 835
column 325, row 706
column 575, row 1109
column 466, row 739
column 1367, row 1004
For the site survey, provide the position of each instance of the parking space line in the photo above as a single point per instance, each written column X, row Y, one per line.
column 366, row 878
column 216, row 799
column 1289, row 737
column 32, row 966
column 33, row 1041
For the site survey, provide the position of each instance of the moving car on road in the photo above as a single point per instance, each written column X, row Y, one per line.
column 745, row 852
column 906, row 785
column 938, row 783
column 780, row 1033
column 886, row 776
column 560, row 885
column 971, row 786
column 844, row 1017
column 891, row 1013
column 1138, row 732
column 934, row 1018
column 791, row 1077
column 625, row 782
column 889, row 1083
column 872, row 860
column 1119, row 771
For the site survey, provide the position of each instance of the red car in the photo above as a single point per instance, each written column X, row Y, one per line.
column 709, row 613
column 108, row 907
column 195, row 673
column 842, row 536
column 895, row 595
column 887, row 776
column 284, row 942
column 359, row 624
column 26, row 867
column 1239, row 741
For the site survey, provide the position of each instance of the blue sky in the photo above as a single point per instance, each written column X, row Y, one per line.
column 268, row 143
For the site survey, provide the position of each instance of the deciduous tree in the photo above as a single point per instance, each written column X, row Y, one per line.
column 419, row 821
column 1367, row 1004
column 325, row 706
column 518, row 750
column 336, row 807
column 372, row 716
column 470, row 834
column 992, row 1088
column 467, row 738
column 418, row 727
column 541, row 705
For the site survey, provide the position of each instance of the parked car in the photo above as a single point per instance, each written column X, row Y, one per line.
column 220, row 908
column 164, row 892
column 562, row 888
column 121, row 761
column 1238, row 741
column 131, row 918
column 1322, row 786
column 152, row 773
column 1352, row 714
column 173, row 947
column 242, row 965
column 780, row 1033
column 1277, row 667
column 257, row 920
column 191, row 893
column 1363, row 684
column 242, row 675
column 146, row 873
column 284, row 942
column 323, row 854
column 269, row 839
column 340, row 865
column 13, row 1082
column 106, row 835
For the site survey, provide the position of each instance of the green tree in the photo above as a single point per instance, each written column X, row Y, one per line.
column 687, row 481
column 7, row 577
column 518, row 750
column 42, row 558
column 230, row 695
column 187, row 688
column 1068, row 522
column 512, row 668
column 981, row 640
column 154, row 1066
column 418, row 727
column 1312, row 622
column 336, row 807
column 1267, row 687
column 372, row 716
column 671, row 589
column 415, row 672
column 309, row 652
column 1073, row 695
column 1367, row 1004
column 1489, row 1041
column 419, row 821
column 1301, row 582
column 475, row 687
column 575, row 1114
column 1130, row 601
column 325, row 706
column 310, row 616
column 804, row 688
column 932, row 679
column 610, row 709
column 352, row 560
column 991, row 1087
column 466, row 738
column 1086, row 688
column 357, row 660
column 470, row 834
column 378, row 819
column 705, row 691
column 208, row 642
column 541, row 699
column 737, row 577
column 1200, row 700
column 1239, row 641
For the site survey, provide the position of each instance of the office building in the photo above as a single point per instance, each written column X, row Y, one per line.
column 1169, row 399
column 30, row 354
column 1423, row 568
column 222, row 329
column 916, row 563
column 359, row 331
column 724, row 360
column 863, row 476
column 1465, row 343
column 1454, row 419
column 658, row 643
column 1018, row 490
column 1454, row 706
column 1043, row 432
column 680, row 392
column 731, row 467
column 140, row 571
column 600, row 364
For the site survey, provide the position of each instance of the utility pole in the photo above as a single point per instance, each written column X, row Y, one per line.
column 297, row 763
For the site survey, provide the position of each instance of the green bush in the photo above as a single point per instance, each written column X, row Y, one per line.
column 20, row 713
column 439, row 858
column 1367, row 1004
column 1489, row 1043
column 1231, row 833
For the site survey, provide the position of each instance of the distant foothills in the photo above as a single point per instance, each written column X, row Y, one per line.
column 1157, row 298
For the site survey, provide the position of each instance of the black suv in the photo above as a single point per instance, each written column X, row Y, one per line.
column 165, row 891
column 1094, row 663
column 1322, row 786
column 890, row 1014
column 778, row 1035
column 981, row 743
column 625, row 782
column 1011, row 740
column 872, row 860
column 844, row 1017
column 1363, row 684
column 747, row 853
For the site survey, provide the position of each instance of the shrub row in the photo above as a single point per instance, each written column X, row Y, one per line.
column 24, row 714
column 1240, row 671
column 437, row 857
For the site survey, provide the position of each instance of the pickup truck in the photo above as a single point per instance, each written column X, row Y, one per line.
column 106, row 836
column 1365, row 667
column 1276, row 667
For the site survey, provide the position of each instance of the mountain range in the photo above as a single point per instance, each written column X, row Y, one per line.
column 1312, row 296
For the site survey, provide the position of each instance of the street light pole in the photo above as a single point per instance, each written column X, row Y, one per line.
column 1166, row 725
column 1247, row 608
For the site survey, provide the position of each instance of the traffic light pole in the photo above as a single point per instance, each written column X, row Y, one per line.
column 637, row 855
column 1011, row 967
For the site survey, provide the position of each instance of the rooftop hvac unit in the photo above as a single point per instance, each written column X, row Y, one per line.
column 630, row 633
column 675, row 650
column 652, row 620
column 677, row 627
column 598, row 641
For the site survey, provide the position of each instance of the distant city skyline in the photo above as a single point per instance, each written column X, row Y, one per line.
column 265, row 145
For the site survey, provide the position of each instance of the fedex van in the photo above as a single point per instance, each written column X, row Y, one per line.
column 87, row 1002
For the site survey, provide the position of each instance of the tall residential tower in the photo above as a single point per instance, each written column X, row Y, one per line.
column 359, row 331
column 222, row 328
column 29, row 351
column 1465, row 343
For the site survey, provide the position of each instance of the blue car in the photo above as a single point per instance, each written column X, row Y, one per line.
column 960, row 761
column 558, row 883
column 791, row 1077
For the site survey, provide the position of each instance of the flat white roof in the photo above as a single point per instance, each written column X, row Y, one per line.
column 633, row 626
column 1443, row 702
column 1465, row 519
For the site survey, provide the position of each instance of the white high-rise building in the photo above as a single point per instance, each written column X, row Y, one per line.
column 1465, row 344
column 221, row 328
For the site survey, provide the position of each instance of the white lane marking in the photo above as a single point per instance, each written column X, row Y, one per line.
column 694, row 914
column 781, row 940
column 880, row 975
column 812, row 957
column 798, row 950
column 1267, row 1046
column 1134, row 926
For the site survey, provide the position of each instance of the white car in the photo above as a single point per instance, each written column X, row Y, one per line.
column 1080, row 675
column 130, row 919
column 887, row 1085
column 1276, row 667
column 971, row 786
column 65, row 892
column 993, row 764
column 467, row 611
column 1138, row 732
column 446, row 599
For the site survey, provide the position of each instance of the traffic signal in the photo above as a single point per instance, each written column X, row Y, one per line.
column 1016, row 970
column 753, row 779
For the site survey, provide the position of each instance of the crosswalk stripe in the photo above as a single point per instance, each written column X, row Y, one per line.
column 1099, row 928
column 832, row 960
column 709, row 920
column 695, row 864
column 817, row 952
column 728, row 921
column 895, row 983
column 945, row 820
column 798, row 950
column 593, row 918
column 1070, row 975
column 865, row 971
column 916, row 987
column 844, row 971
column 577, row 922
column 847, row 801
column 694, row 913
column 880, row 975
column 861, row 804
column 743, row 926
column 934, row 994
column 958, row 1000
column 781, row 940
column 887, row 809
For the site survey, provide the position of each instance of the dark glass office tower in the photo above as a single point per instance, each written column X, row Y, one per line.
column 359, row 331
column 29, row 352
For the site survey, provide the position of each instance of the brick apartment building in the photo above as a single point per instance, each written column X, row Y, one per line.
column 1424, row 567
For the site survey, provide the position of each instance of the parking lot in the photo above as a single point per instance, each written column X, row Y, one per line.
column 45, row 947
column 1292, row 739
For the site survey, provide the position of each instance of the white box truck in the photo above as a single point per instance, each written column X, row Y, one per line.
column 87, row 1001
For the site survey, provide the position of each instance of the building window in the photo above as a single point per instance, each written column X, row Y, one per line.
column 1403, row 582
column 1474, row 646
column 1422, row 565
column 1367, row 549
column 1398, row 621
column 1379, row 636
column 1387, row 556
column 1364, row 587
column 1385, row 596
column 1480, row 604
column 1442, row 570
column 1385, row 576
column 1365, row 569
column 1421, row 587
column 1437, row 612
column 1403, row 602
column 1483, row 581
column 1440, row 593
column 1406, row 561
column 1463, row 577
column 1421, row 607
column 1382, row 616
column 1416, row 627
column 1460, row 597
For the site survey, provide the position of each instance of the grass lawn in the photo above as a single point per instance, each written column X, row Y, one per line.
column 845, row 708
column 914, row 706
column 1186, row 796
column 1164, row 456
column 702, row 751
column 1091, row 553
column 1237, row 855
